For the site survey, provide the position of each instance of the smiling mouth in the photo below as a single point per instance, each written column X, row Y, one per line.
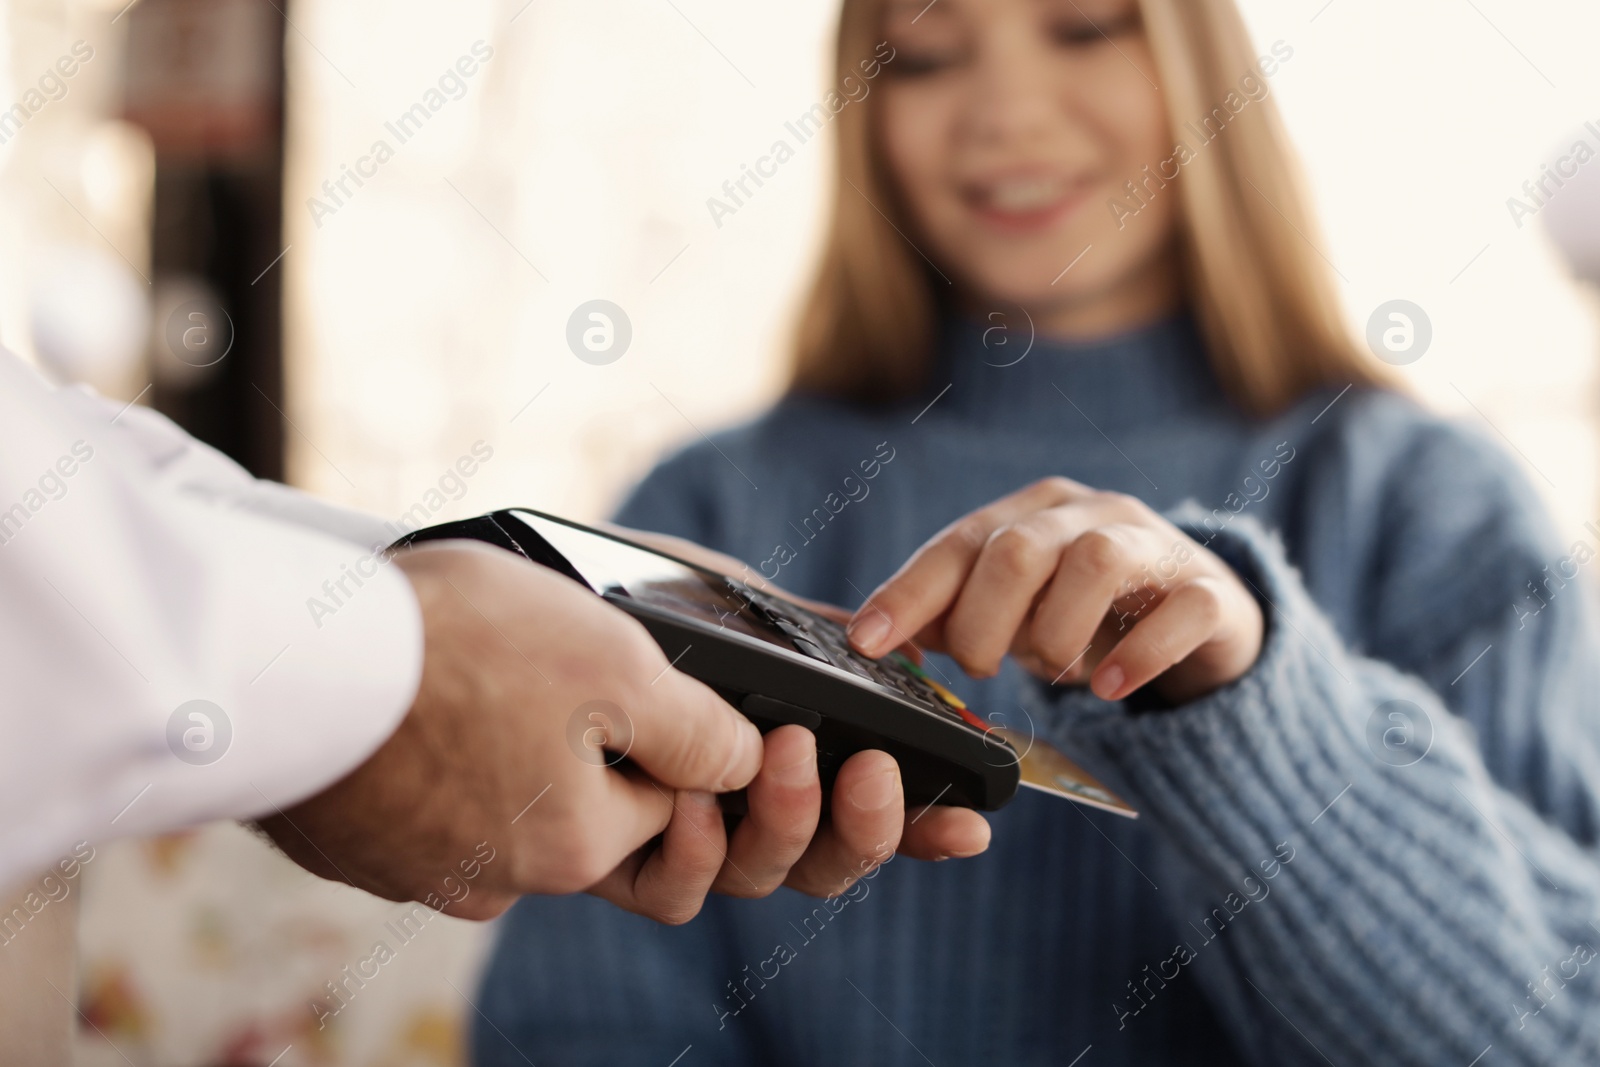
column 1025, row 203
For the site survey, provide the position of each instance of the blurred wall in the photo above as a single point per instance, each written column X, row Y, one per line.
column 75, row 197
column 1418, row 122
column 428, row 308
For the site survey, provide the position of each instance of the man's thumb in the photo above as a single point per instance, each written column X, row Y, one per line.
column 687, row 737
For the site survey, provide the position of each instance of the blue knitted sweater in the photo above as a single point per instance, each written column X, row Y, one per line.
column 1377, row 847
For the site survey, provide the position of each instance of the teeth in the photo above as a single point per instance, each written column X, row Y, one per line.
column 1028, row 194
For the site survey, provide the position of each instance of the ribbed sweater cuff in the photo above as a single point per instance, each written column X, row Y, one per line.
column 1277, row 715
column 1409, row 928
column 1267, row 753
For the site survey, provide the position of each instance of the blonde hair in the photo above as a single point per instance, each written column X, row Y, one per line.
column 1264, row 298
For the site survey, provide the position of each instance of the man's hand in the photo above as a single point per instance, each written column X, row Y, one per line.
column 532, row 690
column 499, row 750
column 780, row 841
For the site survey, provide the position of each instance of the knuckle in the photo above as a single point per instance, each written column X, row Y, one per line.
column 679, row 912
column 1125, row 505
column 1204, row 600
column 568, row 860
column 969, row 534
column 784, row 837
column 1098, row 551
column 1018, row 550
column 585, row 873
column 558, row 872
column 1055, row 487
column 755, row 887
column 823, row 884
column 585, row 868
column 790, row 840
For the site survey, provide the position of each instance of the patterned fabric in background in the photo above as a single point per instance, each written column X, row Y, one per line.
column 209, row 949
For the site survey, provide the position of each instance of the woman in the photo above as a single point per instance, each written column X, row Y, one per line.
column 1362, row 744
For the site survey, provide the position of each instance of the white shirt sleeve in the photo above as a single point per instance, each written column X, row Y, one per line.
column 180, row 641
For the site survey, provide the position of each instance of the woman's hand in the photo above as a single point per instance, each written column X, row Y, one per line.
column 1076, row 584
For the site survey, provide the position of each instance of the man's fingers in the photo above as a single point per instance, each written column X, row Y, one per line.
column 867, row 814
column 687, row 737
column 621, row 811
column 673, row 882
column 785, row 804
column 940, row 832
column 669, row 883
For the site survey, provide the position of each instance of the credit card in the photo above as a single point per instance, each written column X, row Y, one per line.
column 1047, row 769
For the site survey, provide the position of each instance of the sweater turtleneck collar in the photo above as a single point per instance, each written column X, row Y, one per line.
column 999, row 368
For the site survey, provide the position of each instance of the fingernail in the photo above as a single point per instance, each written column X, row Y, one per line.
column 869, row 631
column 877, row 792
column 1108, row 682
column 799, row 773
column 746, row 759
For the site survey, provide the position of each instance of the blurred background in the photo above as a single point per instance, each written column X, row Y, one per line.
column 342, row 241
